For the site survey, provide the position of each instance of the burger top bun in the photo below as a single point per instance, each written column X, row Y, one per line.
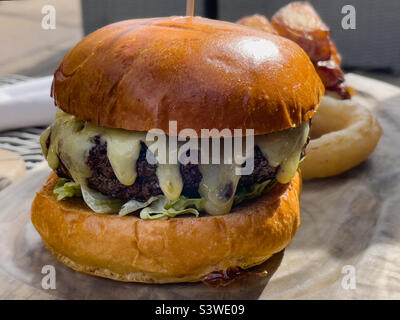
column 140, row 74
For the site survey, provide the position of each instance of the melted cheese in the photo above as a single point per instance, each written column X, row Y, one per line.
column 170, row 180
column 284, row 149
column 123, row 149
column 71, row 139
column 218, row 187
column 168, row 174
column 43, row 141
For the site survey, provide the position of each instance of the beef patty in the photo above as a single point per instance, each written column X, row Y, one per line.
column 146, row 184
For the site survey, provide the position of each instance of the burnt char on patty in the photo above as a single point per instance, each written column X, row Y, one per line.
column 146, row 184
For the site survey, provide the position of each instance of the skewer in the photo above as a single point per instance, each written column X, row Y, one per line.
column 189, row 7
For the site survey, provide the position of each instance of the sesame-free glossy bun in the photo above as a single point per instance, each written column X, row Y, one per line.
column 176, row 250
column 139, row 74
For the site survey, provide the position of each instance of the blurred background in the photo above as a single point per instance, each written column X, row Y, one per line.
column 372, row 49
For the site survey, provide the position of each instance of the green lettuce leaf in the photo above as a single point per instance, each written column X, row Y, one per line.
column 255, row 191
column 158, row 207
column 100, row 203
column 66, row 189
column 134, row 205
column 162, row 208
column 183, row 203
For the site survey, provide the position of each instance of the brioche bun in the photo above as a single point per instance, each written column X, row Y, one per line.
column 176, row 250
column 202, row 73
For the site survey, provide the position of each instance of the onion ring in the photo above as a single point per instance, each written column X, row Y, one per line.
column 343, row 134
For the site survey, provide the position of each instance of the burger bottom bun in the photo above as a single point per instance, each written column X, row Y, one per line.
column 181, row 249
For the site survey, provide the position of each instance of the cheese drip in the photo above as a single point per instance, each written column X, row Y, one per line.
column 284, row 149
column 123, row 149
column 170, row 180
column 70, row 141
column 218, row 187
column 168, row 174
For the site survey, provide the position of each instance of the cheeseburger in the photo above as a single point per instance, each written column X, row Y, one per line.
column 112, row 208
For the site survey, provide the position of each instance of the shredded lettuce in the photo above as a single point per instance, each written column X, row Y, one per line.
column 66, row 189
column 162, row 209
column 155, row 208
column 183, row 203
column 255, row 191
column 158, row 207
column 134, row 205
column 100, row 203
